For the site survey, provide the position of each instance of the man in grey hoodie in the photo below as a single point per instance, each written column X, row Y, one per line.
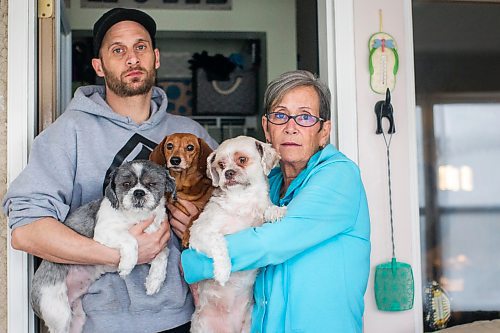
column 103, row 127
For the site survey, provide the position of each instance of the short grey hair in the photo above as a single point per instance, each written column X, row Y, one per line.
column 279, row 87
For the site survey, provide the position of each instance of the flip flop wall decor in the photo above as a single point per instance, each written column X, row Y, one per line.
column 383, row 62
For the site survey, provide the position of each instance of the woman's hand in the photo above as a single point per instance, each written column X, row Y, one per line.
column 149, row 245
column 193, row 287
column 194, row 292
column 180, row 221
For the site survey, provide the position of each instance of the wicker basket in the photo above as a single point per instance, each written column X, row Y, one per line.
column 237, row 96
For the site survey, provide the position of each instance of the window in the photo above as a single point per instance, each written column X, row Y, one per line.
column 459, row 154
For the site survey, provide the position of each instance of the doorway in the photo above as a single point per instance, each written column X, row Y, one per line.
column 23, row 261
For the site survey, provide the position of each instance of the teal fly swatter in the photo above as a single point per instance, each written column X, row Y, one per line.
column 394, row 284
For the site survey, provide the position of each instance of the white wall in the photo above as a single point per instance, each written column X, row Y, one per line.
column 373, row 162
column 274, row 17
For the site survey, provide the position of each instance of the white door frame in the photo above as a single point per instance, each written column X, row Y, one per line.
column 21, row 74
column 412, row 153
column 336, row 32
column 21, row 111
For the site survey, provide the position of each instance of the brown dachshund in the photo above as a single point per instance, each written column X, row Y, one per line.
column 185, row 156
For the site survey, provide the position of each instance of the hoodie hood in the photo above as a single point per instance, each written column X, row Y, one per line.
column 91, row 100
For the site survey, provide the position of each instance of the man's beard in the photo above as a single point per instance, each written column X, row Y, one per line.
column 122, row 88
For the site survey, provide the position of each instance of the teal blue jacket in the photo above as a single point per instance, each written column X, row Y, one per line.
column 315, row 262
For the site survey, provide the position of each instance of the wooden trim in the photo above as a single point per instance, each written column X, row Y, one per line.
column 47, row 72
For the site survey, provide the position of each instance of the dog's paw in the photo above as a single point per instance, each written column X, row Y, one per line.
column 157, row 272
column 125, row 267
column 124, row 271
column 274, row 213
column 152, row 285
column 128, row 260
column 221, row 273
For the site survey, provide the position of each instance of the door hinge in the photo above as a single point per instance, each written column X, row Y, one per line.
column 45, row 8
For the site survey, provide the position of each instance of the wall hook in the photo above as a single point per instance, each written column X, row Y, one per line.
column 383, row 109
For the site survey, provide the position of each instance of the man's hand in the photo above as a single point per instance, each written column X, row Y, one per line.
column 149, row 245
column 180, row 221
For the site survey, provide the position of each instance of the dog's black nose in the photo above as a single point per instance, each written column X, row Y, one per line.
column 175, row 160
column 139, row 193
column 229, row 173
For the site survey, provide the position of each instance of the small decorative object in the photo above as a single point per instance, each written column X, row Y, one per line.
column 437, row 310
column 383, row 109
column 383, row 61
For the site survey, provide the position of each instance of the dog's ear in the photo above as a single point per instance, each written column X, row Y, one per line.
column 211, row 171
column 170, row 185
column 205, row 150
column 110, row 191
column 158, row 155
column 269, row 157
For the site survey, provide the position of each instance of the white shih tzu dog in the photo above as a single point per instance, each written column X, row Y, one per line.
column 238, row 169
column 136, row 191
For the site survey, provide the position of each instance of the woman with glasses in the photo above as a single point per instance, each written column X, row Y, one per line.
column 315, row 261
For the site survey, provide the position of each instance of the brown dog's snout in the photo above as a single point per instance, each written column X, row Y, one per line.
column 229, row 173
column 175, row 160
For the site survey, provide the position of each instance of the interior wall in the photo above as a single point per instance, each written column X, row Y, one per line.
column 276, row 18
column 3, row 164
column 373, row 160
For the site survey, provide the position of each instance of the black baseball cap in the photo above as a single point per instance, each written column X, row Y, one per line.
column 116, row 15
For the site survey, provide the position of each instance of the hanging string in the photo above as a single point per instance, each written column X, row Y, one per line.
column 388, row 145
column 380, row 20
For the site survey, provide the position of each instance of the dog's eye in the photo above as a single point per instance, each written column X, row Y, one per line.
column 151, row 184
column 170, row 146
column 242, row 159
column 190, row 148
column 221, row 165
column 126, row 184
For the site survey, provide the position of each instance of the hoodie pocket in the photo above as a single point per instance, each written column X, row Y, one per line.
column 173, row 294
column 108, row 294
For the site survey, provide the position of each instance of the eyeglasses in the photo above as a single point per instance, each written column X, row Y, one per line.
column 304, row 120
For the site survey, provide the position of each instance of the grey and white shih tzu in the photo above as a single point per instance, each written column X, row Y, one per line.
column 136, row 191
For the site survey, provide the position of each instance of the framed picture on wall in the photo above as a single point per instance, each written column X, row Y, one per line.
column 162, row 4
